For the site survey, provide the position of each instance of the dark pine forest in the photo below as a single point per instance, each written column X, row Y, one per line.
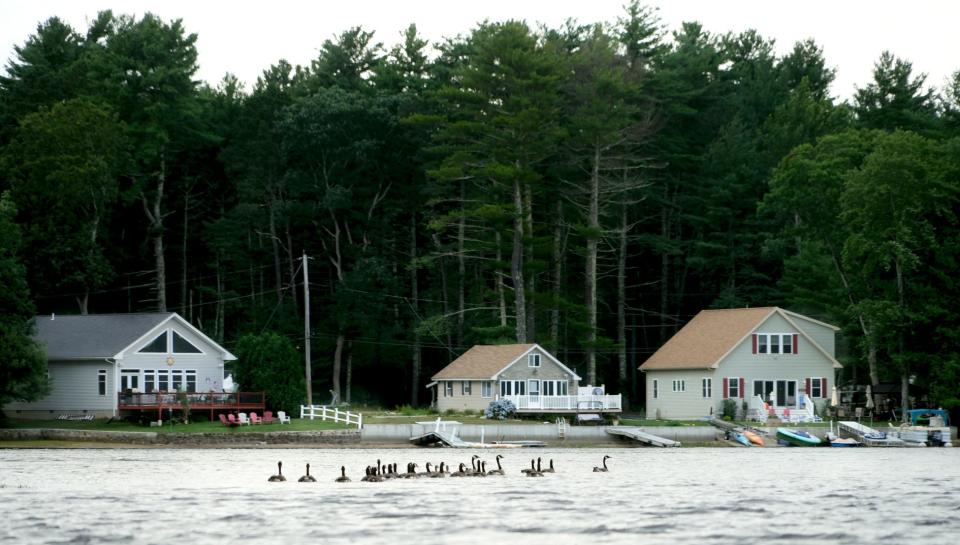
column 589, row 187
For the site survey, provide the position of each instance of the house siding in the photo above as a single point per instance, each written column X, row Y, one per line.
column 681, row 405
column 75, row 389
column 460, row 402
column 824, row 336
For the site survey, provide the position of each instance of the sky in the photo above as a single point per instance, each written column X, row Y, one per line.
column 245, row 37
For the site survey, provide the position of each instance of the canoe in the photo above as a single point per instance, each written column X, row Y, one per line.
column 754, row 438
column 740, row 438
column 797, row 438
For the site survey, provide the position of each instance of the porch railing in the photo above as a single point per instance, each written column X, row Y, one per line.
column 566, row 403
column 336, row 415
column 226, row 400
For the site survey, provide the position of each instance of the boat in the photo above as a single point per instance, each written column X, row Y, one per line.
column 848, row 442
column 753, row 438
column 740, row 438
column 797, row 438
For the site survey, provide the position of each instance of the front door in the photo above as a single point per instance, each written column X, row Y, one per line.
column 534, row 389
column 129, row 380
column 786, row 393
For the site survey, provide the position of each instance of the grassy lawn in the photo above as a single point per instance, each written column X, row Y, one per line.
column 296, row 424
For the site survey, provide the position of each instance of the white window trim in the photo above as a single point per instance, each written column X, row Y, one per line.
column 706, row 387
column 102, row 379
column 447, row 388
column 816, row 382
column 530, row 384
column 171, row 332
column 733, row 383
column 679, row 385
column 466, row 388
column 486, row 389
column 533, row 360
column 765, row 343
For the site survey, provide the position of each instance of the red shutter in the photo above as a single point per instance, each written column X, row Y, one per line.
column 754, row 344
column 809, row 391
column 823, row 387
column 795, row 339
column 726, row 388
column 742, row 386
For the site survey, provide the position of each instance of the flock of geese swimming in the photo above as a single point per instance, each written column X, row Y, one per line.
column 380, row 472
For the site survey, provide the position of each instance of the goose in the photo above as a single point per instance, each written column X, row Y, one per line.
column 343, row 475
column 461, row 472
column 533, row 467
column 537, row 472
column 375, row 476
column 412, row 471
column 307, row 478
column 427, row 473
column 439, row 473
column 549, row 469
column 499, row 470
column 603, row 469
column 483, row 469
column 279, row 476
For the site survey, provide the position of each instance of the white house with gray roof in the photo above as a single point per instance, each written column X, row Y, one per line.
column 526, row 374
column 94, row 358
column 769, row 358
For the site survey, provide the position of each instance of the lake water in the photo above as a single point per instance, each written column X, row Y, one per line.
column 697, row 495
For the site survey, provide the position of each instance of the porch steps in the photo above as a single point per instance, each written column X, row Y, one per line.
column 637, row 434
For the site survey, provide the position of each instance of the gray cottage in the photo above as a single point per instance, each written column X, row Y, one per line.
column 98, row 362
column 775, row 361
column 526, row 374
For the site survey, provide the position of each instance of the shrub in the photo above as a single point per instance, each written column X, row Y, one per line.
column 501, row 409
column 728, row 409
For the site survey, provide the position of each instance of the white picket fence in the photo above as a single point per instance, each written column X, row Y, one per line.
column 327, row 413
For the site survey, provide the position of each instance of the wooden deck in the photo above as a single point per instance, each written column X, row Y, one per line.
column 232, row 402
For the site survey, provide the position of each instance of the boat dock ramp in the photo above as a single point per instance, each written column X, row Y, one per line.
column 637, row 434
column 868, row 436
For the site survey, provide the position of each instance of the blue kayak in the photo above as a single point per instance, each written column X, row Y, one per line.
column 741, row 438
column 797, row 438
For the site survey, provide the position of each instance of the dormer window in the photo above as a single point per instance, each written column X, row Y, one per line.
column 774, row 343
column 533, row 360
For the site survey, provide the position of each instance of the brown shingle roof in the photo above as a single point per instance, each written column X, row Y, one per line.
column 706, row 338
column 482, row 361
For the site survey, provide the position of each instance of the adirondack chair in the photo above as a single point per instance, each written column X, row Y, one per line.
column 282, row 417
column 254, row 419
column 228, row 423
column 233, row 420
column 268, row 417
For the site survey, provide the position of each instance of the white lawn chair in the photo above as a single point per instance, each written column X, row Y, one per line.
column 282, row 417
column 243, row 419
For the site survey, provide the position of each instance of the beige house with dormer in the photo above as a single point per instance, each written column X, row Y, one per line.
column 767, row 358
column 526, row 374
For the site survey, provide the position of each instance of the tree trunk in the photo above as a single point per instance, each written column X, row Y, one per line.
column 557, row 273
column 219, row 332
column 622, row 301
column 290, row 265
column 501, row 295
column 531, row 278
column 461, row 264
column 183, row 251
column 83, row 301
column 349, row 384
column 664, row 269
column 337, row 359
column 593, row 234
column 275, row 244
column 414, row 303
column 154, row 213
column 516, row 264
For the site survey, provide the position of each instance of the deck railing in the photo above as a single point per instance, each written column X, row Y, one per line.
column 566, row 403
column 326, row 413
column 226, row 400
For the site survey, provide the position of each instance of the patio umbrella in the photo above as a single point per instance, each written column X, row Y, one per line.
column 835, row 397
column 869, row 397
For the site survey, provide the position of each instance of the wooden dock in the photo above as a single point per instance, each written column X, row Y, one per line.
column 637, row 434
column 869, row 436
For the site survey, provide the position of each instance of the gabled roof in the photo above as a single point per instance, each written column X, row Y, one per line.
column 712, row 334
column 486, row 361
column 98, row 336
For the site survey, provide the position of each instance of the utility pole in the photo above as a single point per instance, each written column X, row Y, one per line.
column 306, row 328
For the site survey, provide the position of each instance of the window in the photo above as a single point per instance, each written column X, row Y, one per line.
column 163, row 380
column 102, row 382
column 533, row 360
column 534, row 387
column 656, row 392
column 191, row 380
column 816, row 387
column 733, row 387
column 448, row 389
column 486, row 389
column 183, row 346
column 706, row 385
column 156, row 346
column 466, row 388
column 513, row 387
column 679, row 386
column 149, row 381
column 506, row 388
column 775, row 343
column 554, row 387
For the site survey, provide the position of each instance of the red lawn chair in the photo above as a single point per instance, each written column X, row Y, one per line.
column 233, row 420
column 268, row 417
column 255, row 419
column 228, row 423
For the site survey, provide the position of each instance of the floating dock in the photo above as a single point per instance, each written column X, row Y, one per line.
column 869, row 436
column 638, row 435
